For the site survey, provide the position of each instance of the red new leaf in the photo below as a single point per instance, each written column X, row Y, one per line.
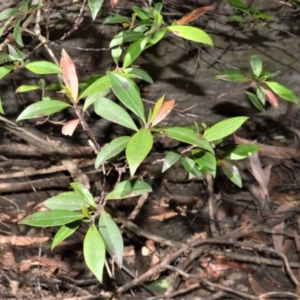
column 69, row 75
column 164, row 110
column 193, row 15
column 271, row 98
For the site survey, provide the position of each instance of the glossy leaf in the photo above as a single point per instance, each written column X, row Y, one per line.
column 9, row 12
column 43, row 67
column 126, row 91
column 83, row 192
column 64, row 232
column 69, row 75
column 99, row 85
column 4, row 70
column 256, row 64
column 70, row 127
column 139, row 73
column 155, row 37
column 164, row 110
column 115, row 19
column 191, row 33
column 42, row 108
column 232, row 172
column 232, row 76
column 112, row 149
column 140, row 12
column 1, row 107
column 206, row 161
column 129, row 188
column 95, row 6
column 65, row 201
column 138, row 148
column 17, row 33
column 113, row 112
column 51, row 218
column 224, row 128
column 134, row 51
column 255, row 101
column 124, row 37
column 188, row 136
column 112, row 237
column 240, row 151
column 171, row 158
column 282, row 91
column 27, row 88
column 94, row 251
column 92, row 98
column 196, row 13
column 239, row 5
column 191, row 167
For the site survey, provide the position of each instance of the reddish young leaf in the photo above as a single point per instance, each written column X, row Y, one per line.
column 193, row 15
column 113, row 3
column 271, row 98
column 165, row 109
column 70, row 127
column 69, row 75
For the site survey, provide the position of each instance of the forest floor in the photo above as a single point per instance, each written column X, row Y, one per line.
column 188, row 239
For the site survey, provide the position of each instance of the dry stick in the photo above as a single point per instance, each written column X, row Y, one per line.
column 48, row 147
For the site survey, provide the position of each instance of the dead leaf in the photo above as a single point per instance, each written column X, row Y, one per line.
column 256, row 287
column 193, row 15
column 22, row 240
column 69, row 75
column 69, row 127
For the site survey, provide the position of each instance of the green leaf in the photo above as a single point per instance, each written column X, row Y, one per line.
column 191, row 33
column 235, row 18
column 232, row 76
column 5, row 70
column 17, row 33
column 115, row 19
column 43, row 67
column 116, row 54
column 171, row 158
column 94, row 251
column 129, row 188
column 95, row 6
column 134, row 51
column 97, row 86
column 67, row 201
column 255, row 101
column 127, row 92
column 190, row 166
column 113, row 112
column 9, row 12
column 232, row 172
column 2, row 29
column 224, row 128
column 138, row 73
column 282, row 91
column 239, row 5
column 188, row 136
column 256, row 64
column 112, row 149
column 64, row 232
column 237, row 152
column 83, row 192
column 1, row 107
column 138, row 148
column 112, row 237
column 42, row 108
column 261, row 94
column 156, row 37
column 140, row 12
column 51, row 218
column 27, row 88
column 92, row 98
column 160, row 285
column 206, row 161
column 124, row 37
